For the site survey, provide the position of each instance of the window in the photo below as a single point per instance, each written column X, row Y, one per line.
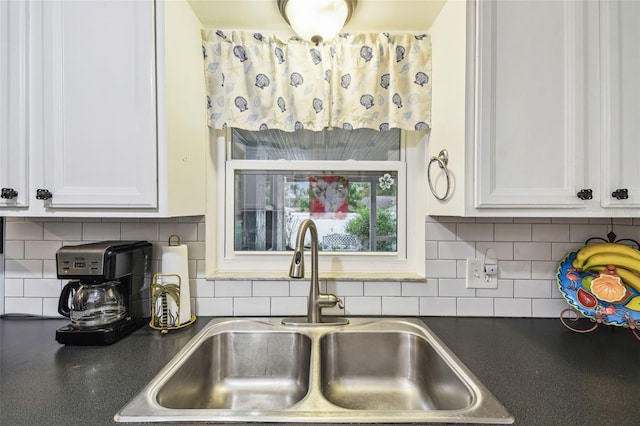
column 357, row 185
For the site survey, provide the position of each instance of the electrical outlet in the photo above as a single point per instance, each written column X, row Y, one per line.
column 477, row 278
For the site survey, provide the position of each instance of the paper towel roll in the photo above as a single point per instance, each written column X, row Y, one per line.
column 175, row 260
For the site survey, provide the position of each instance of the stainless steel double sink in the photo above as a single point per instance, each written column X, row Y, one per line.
column 369, row 371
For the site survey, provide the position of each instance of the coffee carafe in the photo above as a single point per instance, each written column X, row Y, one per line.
column 109, row 293
column 92, row 305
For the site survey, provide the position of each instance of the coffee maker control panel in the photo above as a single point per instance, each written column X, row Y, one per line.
column 106, row 260
column 72, row 264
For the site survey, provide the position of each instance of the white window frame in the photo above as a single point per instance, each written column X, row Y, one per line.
column 407, row 264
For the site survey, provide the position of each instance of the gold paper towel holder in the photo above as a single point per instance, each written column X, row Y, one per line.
column 160, row 293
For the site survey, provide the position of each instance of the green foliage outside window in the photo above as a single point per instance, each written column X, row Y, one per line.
column 385, row 226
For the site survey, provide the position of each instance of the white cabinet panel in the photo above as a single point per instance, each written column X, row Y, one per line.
column 550, row 109
column 530, row 103
column 620, row 64
column 102, row 109
column 98, row 114
column 13, row 104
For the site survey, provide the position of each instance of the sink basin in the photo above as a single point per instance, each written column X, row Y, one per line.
column 397, row 371
column 369, row 371
column 241, row 371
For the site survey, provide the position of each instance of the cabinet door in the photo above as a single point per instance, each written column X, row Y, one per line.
column 13, row 105
column 99, row 135
column 620, row 65
column 530, row 101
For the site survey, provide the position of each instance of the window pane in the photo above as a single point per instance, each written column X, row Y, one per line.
column 270, row 206
column 330, row 145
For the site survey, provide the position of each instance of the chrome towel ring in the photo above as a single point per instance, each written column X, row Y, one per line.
column 443, row 160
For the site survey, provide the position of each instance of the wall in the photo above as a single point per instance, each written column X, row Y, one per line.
column 528, row 250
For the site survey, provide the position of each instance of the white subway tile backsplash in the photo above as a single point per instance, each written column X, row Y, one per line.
column 550, row 233
column 503, row 250
column 581, row 233
column 202, row 288
column 49, row 269
column 401, row 306
column 13, row 287
column 301, row 287
column 495, row 220
column 528, row 250
column 513, row 307
column 140, row 231
column 21, row 268
column 50, row 307
column 354, row 305
column 197, row 250
column 270, row 288
column 23, row 231
column 100, row 231
column 504, row 290
column 288, row 306
column 382, row 288
column 41, row 249
column 456, row 250
column 441, row 268
column 544, row 270
column 42, row 287
column 14, row 249
column 428, row 288
column 232, row 288
column 531, row 220
column 251, row 306
column 475, row 231
column 214, row 307
column 548, row 308
column 513, row 232
column 454, row 288
column 186, row 231
column 474, row 307
column 438, row 306
column 600, row 220
column 437, row 231
column 461, row 268
column 201, row 269
column 344, row 288
column 555, row 291
column 23, row 305
column 61, row 231
column 514, row 269
column 431, row 249
column 622, row 221
column 532, row 251
column 560, row 250
column 532, row 289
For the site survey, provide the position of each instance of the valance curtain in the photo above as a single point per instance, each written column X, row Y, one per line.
column 374, row 81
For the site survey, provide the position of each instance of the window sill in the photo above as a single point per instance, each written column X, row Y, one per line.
column 327, row 276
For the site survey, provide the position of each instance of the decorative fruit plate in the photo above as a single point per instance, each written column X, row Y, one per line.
column 575, row 287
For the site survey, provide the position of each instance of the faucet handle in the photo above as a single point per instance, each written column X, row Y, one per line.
column 329, row 301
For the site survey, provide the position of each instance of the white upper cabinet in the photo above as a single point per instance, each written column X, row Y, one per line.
column 117, row 111
column 13, row 103
column 98, row 112
column 620, row 65
column 546, row 120
column 530, row 103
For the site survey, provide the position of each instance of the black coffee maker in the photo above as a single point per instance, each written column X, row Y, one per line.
column 109, row 295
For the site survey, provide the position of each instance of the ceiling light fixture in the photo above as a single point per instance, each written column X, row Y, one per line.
column 317, row 20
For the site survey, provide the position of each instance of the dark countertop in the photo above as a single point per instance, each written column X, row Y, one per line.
column 543, row 373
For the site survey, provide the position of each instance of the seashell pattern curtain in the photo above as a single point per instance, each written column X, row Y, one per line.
column 373, row 81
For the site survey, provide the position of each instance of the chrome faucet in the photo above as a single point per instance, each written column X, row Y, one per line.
column 317, row 300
